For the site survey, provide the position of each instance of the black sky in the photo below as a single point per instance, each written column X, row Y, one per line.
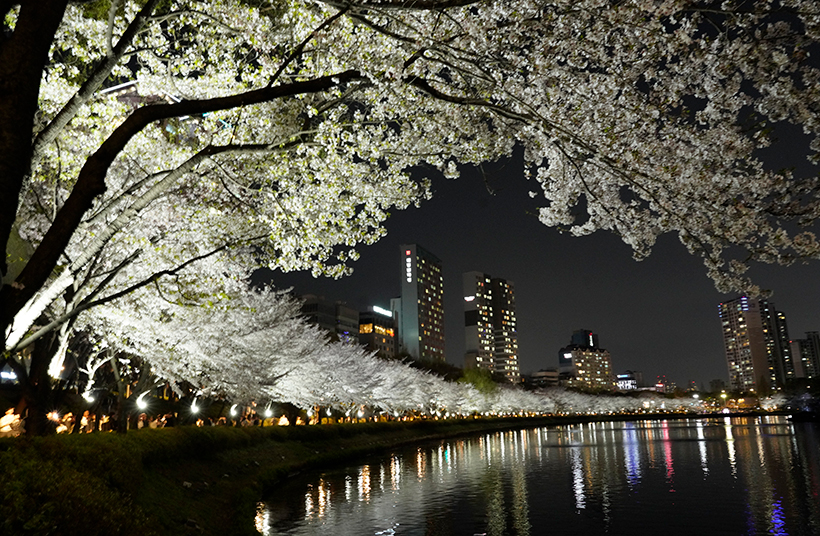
column 658, row 316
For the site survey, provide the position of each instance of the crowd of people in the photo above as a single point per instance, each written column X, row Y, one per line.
column 12, row 425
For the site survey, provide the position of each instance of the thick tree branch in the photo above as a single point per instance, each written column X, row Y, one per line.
column 91, row 180
column 92, row 84
column 90, row 302
column 425, row 86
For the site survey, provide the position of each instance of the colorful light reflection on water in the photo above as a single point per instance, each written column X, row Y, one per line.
column 756, row 475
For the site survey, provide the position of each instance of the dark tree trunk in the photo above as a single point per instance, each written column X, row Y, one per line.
column 38, row 396
column 23, row 56
column 291, row 412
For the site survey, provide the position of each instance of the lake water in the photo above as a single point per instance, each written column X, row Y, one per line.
column 717, row 476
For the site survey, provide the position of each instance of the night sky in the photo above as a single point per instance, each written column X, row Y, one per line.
column 658, row 316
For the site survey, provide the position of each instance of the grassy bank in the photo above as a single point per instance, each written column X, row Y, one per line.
column 184, row 480
column 187, row 480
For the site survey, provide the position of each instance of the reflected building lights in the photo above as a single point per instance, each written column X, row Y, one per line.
column 309, row 502
column 324, row 498
column 521, row 511
column 578, row 479
column 778, row 522
column 602, row 461
column 632, row 455
column 730, row 444
column 702, row 448
column 421, row 464
column 262, row 519
column 364, row 483
column 439, row 465
column 667, row 456
column 395, row 473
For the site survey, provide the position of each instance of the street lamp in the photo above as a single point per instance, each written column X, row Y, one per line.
column 142, row 404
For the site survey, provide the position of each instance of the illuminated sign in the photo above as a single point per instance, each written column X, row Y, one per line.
column 469, row 298
column 382, row 311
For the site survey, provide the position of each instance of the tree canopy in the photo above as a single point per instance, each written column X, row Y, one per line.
column 142, row 138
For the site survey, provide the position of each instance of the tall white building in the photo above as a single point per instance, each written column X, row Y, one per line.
column 491, row 333
column 421, row 309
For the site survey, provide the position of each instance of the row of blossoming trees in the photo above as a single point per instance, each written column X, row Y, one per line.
column 254, row 348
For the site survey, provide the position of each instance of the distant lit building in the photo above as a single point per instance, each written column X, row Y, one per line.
column 783, row 361
column 491, row 333
column 755, row 340
column 806, row 355
column 377, row 331
column 664, row 386
column 421, row 320
column 544, row 378
column 584, row 365
column 334, row 317
column 693, row 386
column 629, row 380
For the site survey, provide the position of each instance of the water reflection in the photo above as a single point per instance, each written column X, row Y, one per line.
column 712, row 476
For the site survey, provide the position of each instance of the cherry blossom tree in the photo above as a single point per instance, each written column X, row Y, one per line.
column 140, row 139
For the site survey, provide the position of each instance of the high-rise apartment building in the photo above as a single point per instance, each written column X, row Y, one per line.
column 491, row 333
column 784, row 363
column 806, row 356
column 421, row 318
column 756, row 343
column 585, row 365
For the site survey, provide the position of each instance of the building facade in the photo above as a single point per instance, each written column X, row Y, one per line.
column 421, row 321
column 377, row 331
column 584, row 364
column 341, row 321
column 630, row 380
column 756, row 344
column 806, row 355
column 490, row 325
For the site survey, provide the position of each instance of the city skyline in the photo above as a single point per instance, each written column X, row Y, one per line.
column 658, row 316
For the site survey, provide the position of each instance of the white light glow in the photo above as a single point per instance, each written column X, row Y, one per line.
column 382, row 311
